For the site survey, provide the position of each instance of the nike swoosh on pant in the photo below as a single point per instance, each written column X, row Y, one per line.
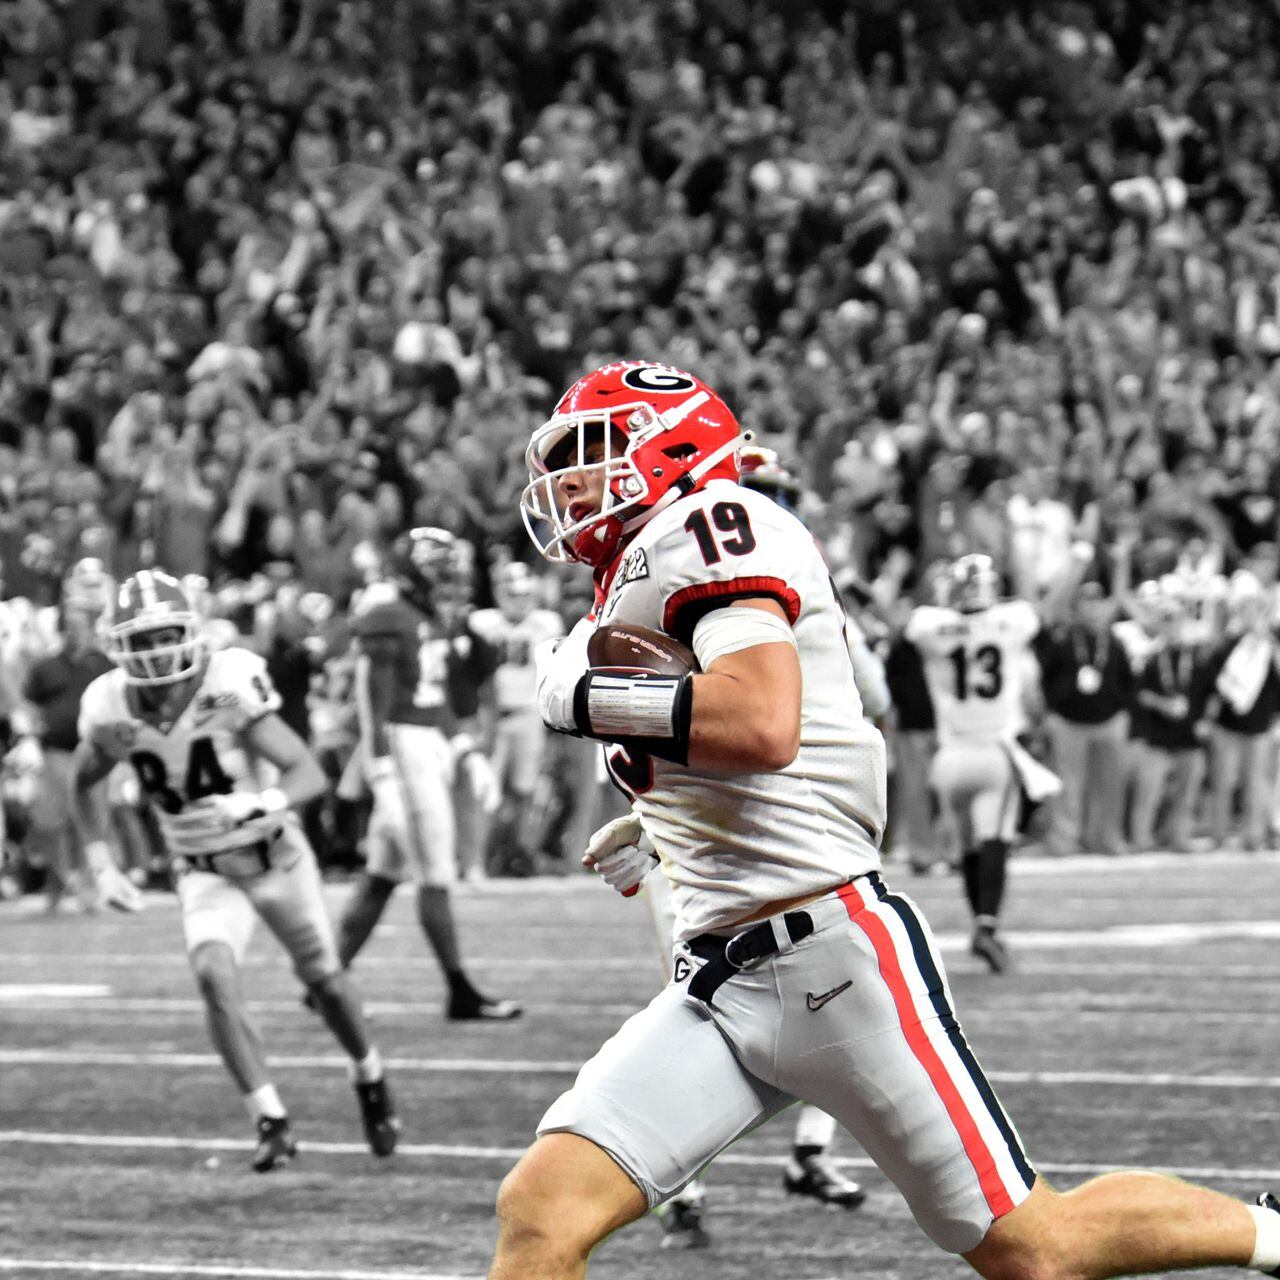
column 816, row 1002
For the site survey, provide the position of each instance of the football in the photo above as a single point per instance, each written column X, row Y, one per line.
column 635, row 648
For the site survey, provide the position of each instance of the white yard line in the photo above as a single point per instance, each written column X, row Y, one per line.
column 19, row 1137
column 554, row 1067
column 79, row 1266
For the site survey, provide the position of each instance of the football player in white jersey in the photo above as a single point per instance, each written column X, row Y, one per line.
column 796, row 973
column 223, row 775
column 515, row 629
column 976, row 652
column 809, row 1171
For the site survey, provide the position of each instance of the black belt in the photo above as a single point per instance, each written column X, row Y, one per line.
column 726, row 956
column 206, row 861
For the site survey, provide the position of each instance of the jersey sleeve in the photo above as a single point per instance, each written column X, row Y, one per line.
column 1022, row 620
column 727, row 548
column 924, row 625
column 244, row 687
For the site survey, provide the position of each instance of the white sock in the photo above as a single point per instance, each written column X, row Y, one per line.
column 265, row 1102
column 1266, row 1247
column 367, row 1069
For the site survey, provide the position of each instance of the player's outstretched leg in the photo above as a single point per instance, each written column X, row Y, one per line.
column 1126, row 1224
column 809, row 1171
column 335, row 1000
column 240, row 1047
column 435, row 914
column 682, row 1218
column 361, row 913
column 986, row 866
column 562, row 1198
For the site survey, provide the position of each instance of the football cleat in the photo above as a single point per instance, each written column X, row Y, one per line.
column 276, row 1146
column 377, row 1111
column 817, row 1177
column 482, row 1009
column 682, row 1225
column 987, row 946
column 1267, row 1201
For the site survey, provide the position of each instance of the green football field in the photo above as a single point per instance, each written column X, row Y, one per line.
column 1141, row 1026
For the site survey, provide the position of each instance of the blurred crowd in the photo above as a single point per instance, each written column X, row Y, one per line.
column 281, row 278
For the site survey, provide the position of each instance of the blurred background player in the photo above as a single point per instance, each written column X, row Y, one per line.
column 223, row 774
column 514, row 629
column 410, row 760
column 52, row 692
column 809, row 1171
column 976, row 650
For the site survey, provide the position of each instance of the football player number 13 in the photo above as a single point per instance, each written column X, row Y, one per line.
column 979, row 673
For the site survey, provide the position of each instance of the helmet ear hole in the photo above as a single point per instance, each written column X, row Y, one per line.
column 678, row 452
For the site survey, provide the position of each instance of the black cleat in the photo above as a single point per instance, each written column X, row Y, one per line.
column 381, row 1124
column 482, row 1009
column 987, row 946
column 817, row 1177
column 1267, row 1201
column 276, row 1146
column 682, row 1225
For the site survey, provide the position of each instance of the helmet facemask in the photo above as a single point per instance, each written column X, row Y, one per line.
column 157, row 651
column 628, row 500
column 560, row 447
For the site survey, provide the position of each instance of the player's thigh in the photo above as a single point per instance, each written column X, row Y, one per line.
column 215, row 909
column 869, row 1034
column 290, row 900
column 663, row 1096
column 425, row 769
column 974, row 781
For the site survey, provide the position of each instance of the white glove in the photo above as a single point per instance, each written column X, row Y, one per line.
column 221, row 813
column 115, row 889
column 559, row 665
column 481, row 780
column 25, row 756
column 622, row 853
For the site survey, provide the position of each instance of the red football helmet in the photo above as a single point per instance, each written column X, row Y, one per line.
column 764, row 471
column 154, row 634
column 664, row 434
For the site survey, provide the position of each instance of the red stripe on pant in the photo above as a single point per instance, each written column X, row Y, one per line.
column 921, row 1046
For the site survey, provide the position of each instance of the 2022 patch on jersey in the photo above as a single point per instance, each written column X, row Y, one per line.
column 731, row 843
column 202, row 753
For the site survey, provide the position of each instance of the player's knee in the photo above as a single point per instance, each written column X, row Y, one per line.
column 1034, row 1242
column 532, row 1227
column 551, row 1208
column 214, row 967
column 327, row 983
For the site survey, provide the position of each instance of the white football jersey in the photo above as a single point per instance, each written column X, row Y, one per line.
column 976, row 666
column 202, row 753
column 733, row 843
column 515, row 682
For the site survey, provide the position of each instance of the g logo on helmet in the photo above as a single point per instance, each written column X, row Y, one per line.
column 658, row 380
